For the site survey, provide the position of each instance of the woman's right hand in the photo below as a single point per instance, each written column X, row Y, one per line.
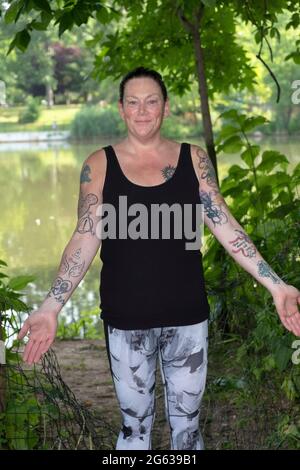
column 41, row 327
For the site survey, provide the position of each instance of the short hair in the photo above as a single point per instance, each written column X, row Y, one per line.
column 143, row 72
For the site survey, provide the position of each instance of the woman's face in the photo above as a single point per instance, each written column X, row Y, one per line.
column 143, row 106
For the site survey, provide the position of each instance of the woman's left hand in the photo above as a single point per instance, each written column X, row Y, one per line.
column 287, row 301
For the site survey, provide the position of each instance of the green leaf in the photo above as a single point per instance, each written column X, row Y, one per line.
column 22, row 40
column 265, row 194
column 282, row 211
column 12, row 357
column 38, row 25
column 252, row 122
column 271, row 158
column 237, row 172
column 295, row 56
column 282, row 356
column 103, row 15
column 227, row 131
column 231, row 114
column 12, row 45
column 257, row 37
column 250, row 154
column 46, row 17
column 43, row 5
column 232, row 145
column 19, row 282
column 12, row 12
column 80, row 16
column 2, row 263
column 209, row 3
column 66, row 21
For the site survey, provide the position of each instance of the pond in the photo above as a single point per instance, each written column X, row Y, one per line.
column 39, row 194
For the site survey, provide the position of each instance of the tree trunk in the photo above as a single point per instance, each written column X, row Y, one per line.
column 194, row 29
column 2, row 370
column 206, row 116
column 49, row 95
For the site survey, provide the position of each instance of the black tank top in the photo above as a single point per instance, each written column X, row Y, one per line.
column 145, row 282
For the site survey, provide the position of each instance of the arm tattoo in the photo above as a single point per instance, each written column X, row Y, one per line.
column 213, row 210
column 85, row 174
column 85, row 222
column 212, row 200
column 71, row 266
column 207, row 170
column 60, row 286
column 244, row 244
column 264, row 270
column 168, row 172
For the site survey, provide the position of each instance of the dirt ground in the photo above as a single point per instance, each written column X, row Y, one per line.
column 85, row 369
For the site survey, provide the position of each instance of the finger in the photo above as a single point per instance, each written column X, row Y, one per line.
column 293, row 324
column 286, row 323
column 285, row 309
column 47, row 345
column 34, row 348
column 295, row 321
column 42, row 347
column 284, row 319
column 23, row 330
column 27, row 349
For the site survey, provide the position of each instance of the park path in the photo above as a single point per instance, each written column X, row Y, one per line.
column 84, row 368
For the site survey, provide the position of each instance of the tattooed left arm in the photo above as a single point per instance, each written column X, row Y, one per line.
column 237, row 243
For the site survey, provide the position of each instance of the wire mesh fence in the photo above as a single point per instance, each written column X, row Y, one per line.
column 42, row 412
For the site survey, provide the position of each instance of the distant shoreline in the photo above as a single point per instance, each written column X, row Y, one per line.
column 33, row 136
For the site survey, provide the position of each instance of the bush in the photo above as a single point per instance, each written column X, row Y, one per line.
column 92, row 121
column 178, row 125
column 31, row 112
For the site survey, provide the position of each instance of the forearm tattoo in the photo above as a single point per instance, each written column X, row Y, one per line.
column 264, row 270
column 71, row 266
column 60, row 287
column 85, row 222
column 243, row 244
column 168, row 172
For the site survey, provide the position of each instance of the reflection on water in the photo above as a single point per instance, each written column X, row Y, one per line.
column 39, row 192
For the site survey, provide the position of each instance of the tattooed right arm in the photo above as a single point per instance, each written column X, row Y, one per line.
column 84, row 243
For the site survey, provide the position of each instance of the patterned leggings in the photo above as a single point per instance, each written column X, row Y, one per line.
column 182, row 352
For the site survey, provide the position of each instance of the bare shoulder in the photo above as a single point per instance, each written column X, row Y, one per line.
column 96, row 161
column 197, row 153
column 94, row 168
column 199, row 157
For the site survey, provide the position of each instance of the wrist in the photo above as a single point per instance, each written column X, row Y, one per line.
column 50, row 306
column 276, row 288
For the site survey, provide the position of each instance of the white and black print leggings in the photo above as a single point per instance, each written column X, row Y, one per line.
column 182, row 352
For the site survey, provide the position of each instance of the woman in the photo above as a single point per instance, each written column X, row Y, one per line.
column 153, row 296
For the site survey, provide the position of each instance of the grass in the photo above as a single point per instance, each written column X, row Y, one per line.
column 238, row 411
column 61, row 114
